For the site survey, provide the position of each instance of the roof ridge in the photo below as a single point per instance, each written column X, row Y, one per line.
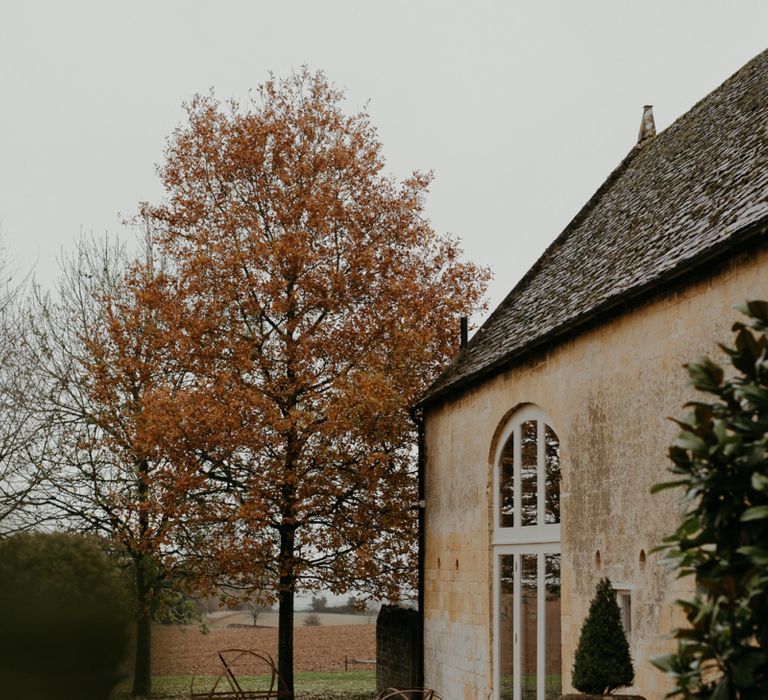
column 721, row 86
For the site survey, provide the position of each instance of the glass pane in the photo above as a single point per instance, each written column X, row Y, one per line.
column 552, row 653
column 507, row 485
column 507, row 634
column 551, row 476
column 528, row 472
column 528, row 641
column 624, row 599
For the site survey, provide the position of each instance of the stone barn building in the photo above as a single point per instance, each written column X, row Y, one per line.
column 544, row 436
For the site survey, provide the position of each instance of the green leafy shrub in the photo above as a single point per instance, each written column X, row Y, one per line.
column 721, row 460
column 173, row 607
column 602, row 662
column 65, row 612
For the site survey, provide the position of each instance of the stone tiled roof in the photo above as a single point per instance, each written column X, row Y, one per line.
column 693, row 190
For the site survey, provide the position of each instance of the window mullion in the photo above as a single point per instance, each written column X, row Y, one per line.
column 517, row 486
column 517, row 656
column 541, row 626
column 540, row 472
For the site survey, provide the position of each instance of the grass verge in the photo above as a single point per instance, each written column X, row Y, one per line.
column 350, row 685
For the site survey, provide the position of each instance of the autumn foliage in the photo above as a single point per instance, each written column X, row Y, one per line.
column 303, row 304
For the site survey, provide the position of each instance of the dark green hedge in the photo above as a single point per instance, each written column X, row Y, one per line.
column 65, row 613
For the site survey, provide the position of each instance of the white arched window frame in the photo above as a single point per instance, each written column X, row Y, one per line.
column 526, row 569
column 519, row 531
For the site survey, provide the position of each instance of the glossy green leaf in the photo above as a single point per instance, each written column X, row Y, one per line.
column 760, row 482
column 690, row 441
column 755, row 513
column 668, row 485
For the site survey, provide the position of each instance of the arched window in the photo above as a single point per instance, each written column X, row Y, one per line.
column 526, row 545
column 528, row 474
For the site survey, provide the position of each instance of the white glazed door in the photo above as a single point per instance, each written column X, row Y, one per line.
column 528, row 656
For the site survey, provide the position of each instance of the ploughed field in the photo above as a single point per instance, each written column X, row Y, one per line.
column 184, row 651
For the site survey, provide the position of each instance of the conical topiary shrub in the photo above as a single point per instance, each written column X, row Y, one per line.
column 602, row 662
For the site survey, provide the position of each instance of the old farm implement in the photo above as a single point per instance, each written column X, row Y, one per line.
column 230, row 683
column 408, row 694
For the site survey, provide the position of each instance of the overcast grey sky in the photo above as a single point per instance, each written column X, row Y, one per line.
column 520, row 108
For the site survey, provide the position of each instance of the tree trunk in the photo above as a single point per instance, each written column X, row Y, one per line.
column 285, row 614
column 142, row 671
column 288, row 522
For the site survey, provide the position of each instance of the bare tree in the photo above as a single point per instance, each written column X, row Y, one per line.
column 259, row 602
column 253, row 599
column 18, row 424
column 96, row 357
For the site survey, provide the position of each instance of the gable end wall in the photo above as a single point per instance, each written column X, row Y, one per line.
column 608, row 392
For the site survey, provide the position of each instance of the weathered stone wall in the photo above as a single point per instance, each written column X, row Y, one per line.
column 608, row 392
column 397, row 648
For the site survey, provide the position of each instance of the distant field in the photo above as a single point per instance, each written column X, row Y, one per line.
column 183, row 651
column 269, row 619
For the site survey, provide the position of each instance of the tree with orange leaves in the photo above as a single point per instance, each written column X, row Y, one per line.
column 313, row 304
